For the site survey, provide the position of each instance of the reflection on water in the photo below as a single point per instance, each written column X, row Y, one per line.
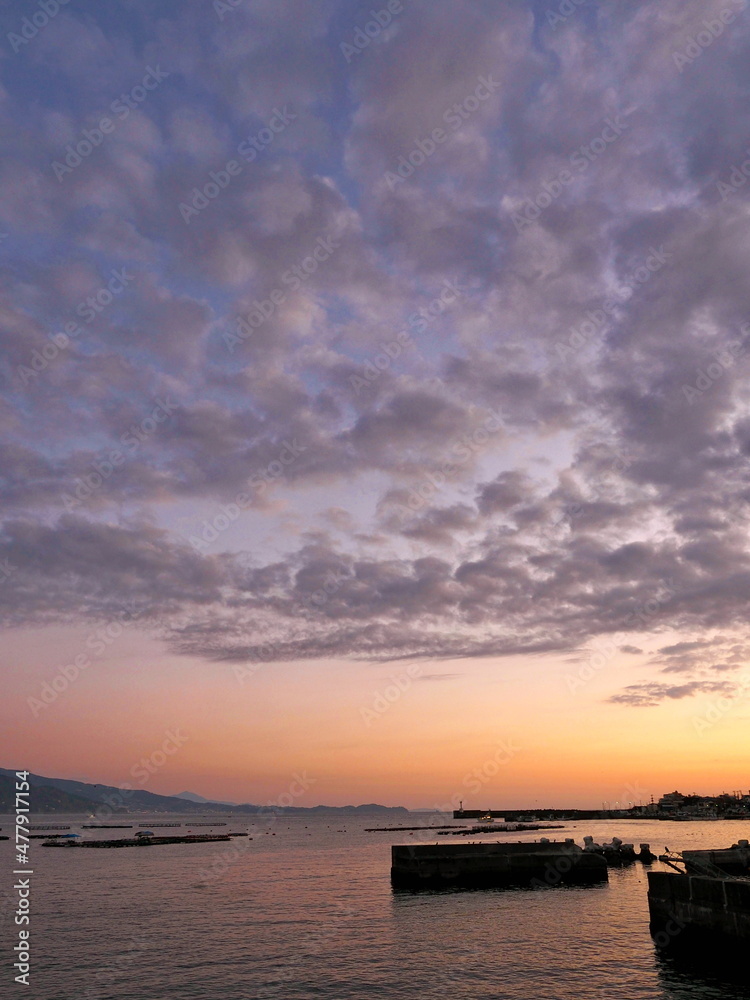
column 310, row 913
column 688, row 975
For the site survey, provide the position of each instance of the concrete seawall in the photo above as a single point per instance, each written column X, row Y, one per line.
column 733, row 860
column 483, row 865
column 683, row 907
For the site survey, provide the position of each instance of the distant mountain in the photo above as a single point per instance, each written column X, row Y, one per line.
column 81, row 796
column 119, row 800
column 192, row 797
column 45, row 798
column 369, row 809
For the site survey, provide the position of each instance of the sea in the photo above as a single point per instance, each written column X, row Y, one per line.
column 304, row 908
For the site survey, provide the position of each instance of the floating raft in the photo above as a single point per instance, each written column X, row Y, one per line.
column 502, row 827
column 406, row 829
column 420, row 866
column 198, row 838
column 107, row 826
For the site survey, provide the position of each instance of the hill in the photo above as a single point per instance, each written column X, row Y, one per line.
column 47, row 791
column 192, row 797
column 44, row 798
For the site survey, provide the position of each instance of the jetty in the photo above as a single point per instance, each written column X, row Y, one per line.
column 685, row 910
column 705, row 900
column 734, row 860
column 546, row 863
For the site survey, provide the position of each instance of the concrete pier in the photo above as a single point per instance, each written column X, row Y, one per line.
column 483, row 865
column 734, row 860
column 684, row 908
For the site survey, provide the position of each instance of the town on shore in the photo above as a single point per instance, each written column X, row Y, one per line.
column 672, row 806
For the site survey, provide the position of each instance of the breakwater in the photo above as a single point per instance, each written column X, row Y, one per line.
column 418, row 866
column 685, row 907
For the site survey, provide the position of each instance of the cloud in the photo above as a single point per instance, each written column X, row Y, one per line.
column 650, row 695
column 607, row 337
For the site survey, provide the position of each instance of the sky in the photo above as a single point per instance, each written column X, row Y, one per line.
column 374, row 398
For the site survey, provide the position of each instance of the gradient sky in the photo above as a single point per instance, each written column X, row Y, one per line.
column 375, row 402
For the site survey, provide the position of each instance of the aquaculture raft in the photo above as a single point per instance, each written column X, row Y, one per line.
column 419, row 866
column 199, row 838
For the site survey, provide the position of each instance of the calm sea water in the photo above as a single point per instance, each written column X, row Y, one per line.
column 306, row 910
